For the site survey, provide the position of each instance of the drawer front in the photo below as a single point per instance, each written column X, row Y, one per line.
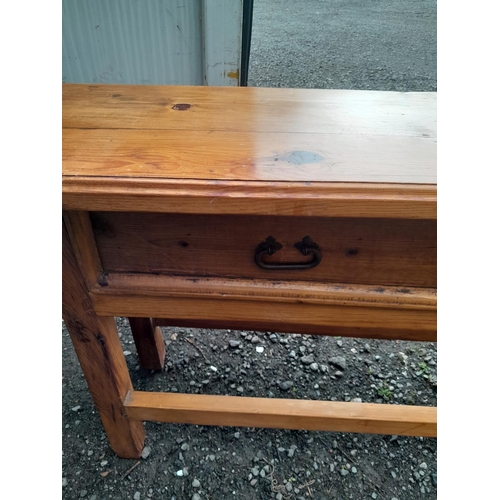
column 357, row 251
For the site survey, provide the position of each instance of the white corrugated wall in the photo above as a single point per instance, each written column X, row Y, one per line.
column 152, row 42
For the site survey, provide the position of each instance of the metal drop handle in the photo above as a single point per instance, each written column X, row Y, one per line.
column 305, row 247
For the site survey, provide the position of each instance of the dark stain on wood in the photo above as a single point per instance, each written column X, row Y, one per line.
column 102, row 281
column 77, row 329
column 181, row 107
column 101, row 226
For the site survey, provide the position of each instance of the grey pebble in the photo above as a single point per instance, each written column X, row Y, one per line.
column 288, row 486
column 262, row 473
column 354, row 470
column 338, row 361
column 145, row 452
column 184, row 447
column 237, row 435
column 64, row 482
column 344, row 472
column 75, row 408
column 287, row 384
column 83, row 493
column 196, row 497
column 374, row 495
column 196, row 483
column 307, row 360
column 234, row 343
column 279, row 496
column 291, row 451
column 253, row 482
column 137, row 496
column 93, row 497
column 255, row 339
column 314, row 367
column 212, row 458
column 255, row 471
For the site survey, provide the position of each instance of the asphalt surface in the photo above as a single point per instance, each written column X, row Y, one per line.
column 344, row 44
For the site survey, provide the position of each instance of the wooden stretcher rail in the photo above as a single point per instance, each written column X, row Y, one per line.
column 282, row 413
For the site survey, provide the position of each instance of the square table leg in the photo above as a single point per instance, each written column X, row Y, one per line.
column 149, row 343
column 101, row 357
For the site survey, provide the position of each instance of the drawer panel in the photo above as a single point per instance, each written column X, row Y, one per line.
column 363, row 251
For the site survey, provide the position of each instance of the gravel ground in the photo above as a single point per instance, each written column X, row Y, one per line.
column 220, row 463
column 383, row 45
column 344, row 44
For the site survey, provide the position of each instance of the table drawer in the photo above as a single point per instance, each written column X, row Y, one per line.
column 364, row 251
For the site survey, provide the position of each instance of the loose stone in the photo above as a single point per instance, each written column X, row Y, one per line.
column 338, row 361
column 307, row 360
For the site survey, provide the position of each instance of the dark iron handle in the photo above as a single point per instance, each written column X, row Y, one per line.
column 305, row 247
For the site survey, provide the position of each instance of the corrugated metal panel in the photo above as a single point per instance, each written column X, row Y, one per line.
column 163, row 42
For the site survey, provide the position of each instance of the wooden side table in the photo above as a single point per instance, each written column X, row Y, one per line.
column 304, row 211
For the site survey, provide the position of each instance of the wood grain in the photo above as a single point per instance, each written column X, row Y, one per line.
column 253, row 156
column 357, row 311
column 308, row 199
column 247, row 109
column 82, row 239
column 99, row 352
column 283, row 413
column 317, row 292
column 149, row 343
column 365, row 251
column 248, row 134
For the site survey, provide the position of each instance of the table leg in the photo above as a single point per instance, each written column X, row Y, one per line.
column 149, row 343
column 99, row 351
